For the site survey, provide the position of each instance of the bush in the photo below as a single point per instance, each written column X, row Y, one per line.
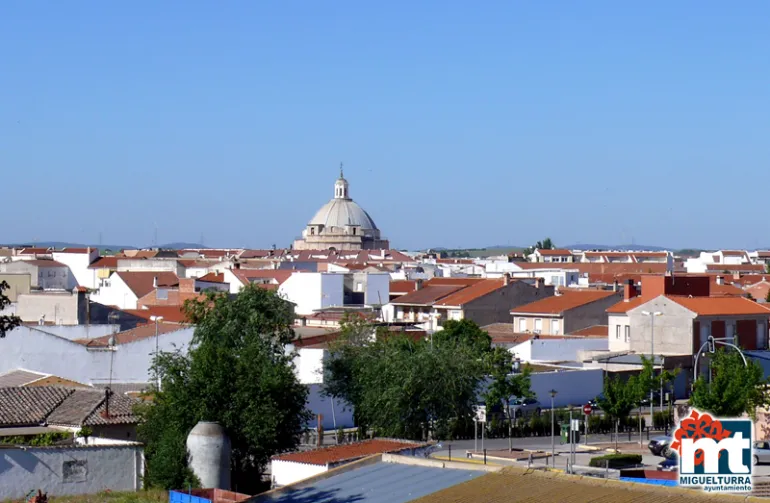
column 662, row 419
column 615, row 460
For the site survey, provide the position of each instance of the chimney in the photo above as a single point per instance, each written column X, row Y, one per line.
column 720, row 280
column 187, row 285
column 630, row 291
column 540, row 283
column 615, row 286
column 417, row 284
column 506, row 279
column 106, row 411
column 736, row 276
column 155, row 282
column 320, row 430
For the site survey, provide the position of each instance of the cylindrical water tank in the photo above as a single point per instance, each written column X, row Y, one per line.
column 209, row 449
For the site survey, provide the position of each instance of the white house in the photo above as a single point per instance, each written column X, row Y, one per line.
column 312, row 291
column 45, row 274
column 78, row 260
column 123, row 289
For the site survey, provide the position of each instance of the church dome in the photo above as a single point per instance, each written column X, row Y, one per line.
column 342, row 211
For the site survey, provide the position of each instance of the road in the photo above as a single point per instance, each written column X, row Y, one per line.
column 459, row 448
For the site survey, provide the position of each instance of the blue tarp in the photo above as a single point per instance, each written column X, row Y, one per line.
column 654, row 482
column 177, row 497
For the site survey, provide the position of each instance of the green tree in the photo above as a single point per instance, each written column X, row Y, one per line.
column 463, row 332
column 734, row 388
column 767, row 297
column 545, row 244
column 504, row 384
column 403, row 387
column 619, row 398
column 237, row 372
column 7, row 321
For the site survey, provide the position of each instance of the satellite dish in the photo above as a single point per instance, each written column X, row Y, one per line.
column 111, row 341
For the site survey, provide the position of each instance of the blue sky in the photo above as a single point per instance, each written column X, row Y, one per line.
column 460, row 123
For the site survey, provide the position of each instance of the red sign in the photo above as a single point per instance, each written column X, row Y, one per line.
column 587, row 409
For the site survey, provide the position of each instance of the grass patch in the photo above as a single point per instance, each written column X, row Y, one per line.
column 143, row 496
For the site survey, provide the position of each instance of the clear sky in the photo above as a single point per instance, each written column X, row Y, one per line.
column 460, row 123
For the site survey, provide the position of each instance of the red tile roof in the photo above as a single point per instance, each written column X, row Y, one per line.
column 593, row 331
column 427, row 295
column 402, row 286
column 755, row 268
column 720, row 306
column 555, row 253
column 725, row 290
column 35, row 251
column 561, row 303
column 142, row 282
column 346, row 452
column 452, row 281
column 171, row 314
column 135, row 334
column 623, row 307
column 105, row 263
column 249, row 275
column 471, row 293
column 213, row 277
column 73, row 250
column 465, row 261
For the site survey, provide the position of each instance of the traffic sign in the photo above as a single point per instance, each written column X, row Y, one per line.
column 576, row 425
column 481, row 413
column 587, row 409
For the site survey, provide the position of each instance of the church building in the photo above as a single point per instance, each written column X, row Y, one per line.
column 341, row 224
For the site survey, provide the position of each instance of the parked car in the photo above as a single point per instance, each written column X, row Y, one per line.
column 761, row 452
column 525, row 407
column 594, row 403
column 669, row 465
column 658, row 445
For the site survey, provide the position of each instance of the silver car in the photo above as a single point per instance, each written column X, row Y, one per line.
column 761, row 452
column 521, row 407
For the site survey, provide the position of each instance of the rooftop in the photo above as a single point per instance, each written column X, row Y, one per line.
column 592, row 331
column 346, row 452
column 427, row 295
column 720, row 306
column 372, row 483
column 558, row 304
column 515, row 484
column 135, row 334
column 142, row 282
column 471, row 292
column 555, row 253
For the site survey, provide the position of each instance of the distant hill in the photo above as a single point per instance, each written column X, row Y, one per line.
column 64, row 244
column 585, row 247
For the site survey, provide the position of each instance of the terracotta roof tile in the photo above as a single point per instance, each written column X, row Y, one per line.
column 557, row 304
column 452, row 281
column 755, row 268
column 250, row 275
column 555, row 253
column 73, row 250
column 35, row 251
column 463, row 261
column 720, row 306
column 135, row 334
column 593, row 331
column 171, row 314
column 142, row 282
column 402, row 286
column 427, row 295
column 471, row 293
column 623, row 307
column 213, row 277
column 105, row 263
column 346, row 452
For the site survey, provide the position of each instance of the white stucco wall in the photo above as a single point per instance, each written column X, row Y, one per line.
column 377, row 288
column 80, row 274
column 116, row 294
column 617, row 325
column 562, row 350
column 288, row 472
column 73, row 470
column 311, row 291
column 336, row 413
column 308, row 365
column 55, row 307
column 32, row 349
column 73, row 332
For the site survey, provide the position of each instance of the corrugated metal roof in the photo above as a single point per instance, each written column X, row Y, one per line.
column 379, row 483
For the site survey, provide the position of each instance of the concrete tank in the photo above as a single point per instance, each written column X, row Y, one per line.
column 209, row 449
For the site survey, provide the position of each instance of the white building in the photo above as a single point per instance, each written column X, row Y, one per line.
column 78, row 260
column 123, row 289
column 45, row 274
column 709, row 261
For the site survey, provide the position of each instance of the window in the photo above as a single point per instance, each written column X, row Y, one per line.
column 761, row 336
column 312, row 231
column 628, row 333
column 555, row 327
column 617, row 331
column 538, row 324
column 354, row 231
column 522, row 325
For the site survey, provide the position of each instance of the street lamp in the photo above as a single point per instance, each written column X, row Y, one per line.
column 553, row 394
column 652, row 316
column 157, row 319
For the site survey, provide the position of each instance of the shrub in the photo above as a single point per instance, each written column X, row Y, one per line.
column 615, row 460
column 662, row 419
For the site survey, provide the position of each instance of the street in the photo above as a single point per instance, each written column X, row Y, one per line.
column 582, row 458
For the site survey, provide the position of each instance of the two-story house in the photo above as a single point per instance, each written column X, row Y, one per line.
column 565, row 312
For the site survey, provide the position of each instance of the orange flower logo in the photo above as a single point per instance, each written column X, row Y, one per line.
column 698, row 426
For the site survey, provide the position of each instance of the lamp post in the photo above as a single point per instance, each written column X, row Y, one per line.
column 553, row 394
column 652, row 316
column 157, row 319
